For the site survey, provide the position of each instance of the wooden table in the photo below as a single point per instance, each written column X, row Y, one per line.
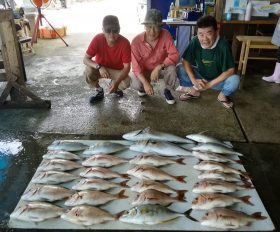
column 251, row 42
column 240, row 27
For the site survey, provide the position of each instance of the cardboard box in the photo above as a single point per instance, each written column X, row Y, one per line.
column 49, row 33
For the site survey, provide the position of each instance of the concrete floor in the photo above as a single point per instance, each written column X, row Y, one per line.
column 55, row 73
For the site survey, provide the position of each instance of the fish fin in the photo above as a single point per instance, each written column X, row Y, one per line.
column 188, row 215
column 140, row 131
column 119, row 214
column 146, row 130
column 202, row 132
column 125, row 176
column 246, row 200
column 121, row 194
column 258, row 216
column 181, row 179
column 180, row 161
column 167, row 221
column 227, row 144
column 124, row 184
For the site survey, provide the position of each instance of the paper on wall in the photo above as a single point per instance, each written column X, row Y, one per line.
column 273, row 8
column 260, row 4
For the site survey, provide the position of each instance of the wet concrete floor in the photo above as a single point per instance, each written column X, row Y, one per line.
column 55, row 73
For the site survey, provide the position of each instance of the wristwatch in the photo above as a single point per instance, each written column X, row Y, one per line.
column 98, row 66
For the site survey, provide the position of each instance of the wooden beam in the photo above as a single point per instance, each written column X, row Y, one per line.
column 5, row 15
column 5, row 93
column 44, row 104
column 25, row 91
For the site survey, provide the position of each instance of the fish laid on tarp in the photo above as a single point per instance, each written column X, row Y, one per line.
column 207, row 156
column 46, row 193
column 148, row 134
column 229, row 219
column 207, row 201
column 53, row 177
column 215, row 148
column 217, row 175
column 89, row 197
column 103, row 160
column 104, row 147
column 202, row 138
column 66, row 155
column 218, row 186
column 67, row 146
column 150, row 215
column 146, row 172
column 58, row 165
column 103, row 173
column 144, row 185
column 216, row 166
column 36, row 212
column 87, row 215
column 155, row 197
column 97, row 184
column 162, row 148
column 154, row 160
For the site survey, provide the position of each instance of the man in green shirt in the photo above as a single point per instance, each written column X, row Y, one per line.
column 208, row 64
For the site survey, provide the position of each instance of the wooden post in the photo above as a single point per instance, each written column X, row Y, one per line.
column 14, row 68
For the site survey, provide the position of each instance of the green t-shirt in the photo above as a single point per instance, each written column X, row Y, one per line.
column 210, row 62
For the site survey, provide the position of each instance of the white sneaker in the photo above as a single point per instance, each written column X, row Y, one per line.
column 141, row 94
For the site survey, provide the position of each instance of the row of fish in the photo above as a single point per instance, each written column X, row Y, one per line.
column 217, row 180
column 153, row 196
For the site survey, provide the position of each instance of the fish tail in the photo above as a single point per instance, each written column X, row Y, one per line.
column 238, row 161
column 180, row 179
column 239, row 154
column 246, row 200
column 180, row 161
column 188, row 215
column 244, row 178
column 258, row 216
column 181, row 198
column 125, row 176
column 121, row 194
column 245, row 174
column 124, row 184
column 181, row 192
column 119, row 214
column 248, row 185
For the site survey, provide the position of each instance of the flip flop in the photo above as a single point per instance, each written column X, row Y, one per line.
column 187, row 96
column 228, row 104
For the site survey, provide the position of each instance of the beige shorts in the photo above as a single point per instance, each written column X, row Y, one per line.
column 92, row 77
column 168, row 74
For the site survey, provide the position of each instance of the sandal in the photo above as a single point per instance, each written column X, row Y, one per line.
column 186, row 96
column 228, row 104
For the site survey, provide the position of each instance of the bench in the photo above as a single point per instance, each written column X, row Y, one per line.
column 253, row 42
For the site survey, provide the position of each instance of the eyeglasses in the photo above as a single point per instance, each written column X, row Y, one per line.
column 109, row 30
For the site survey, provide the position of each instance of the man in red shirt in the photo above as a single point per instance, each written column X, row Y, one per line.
column 154, row 56
column 108, row 56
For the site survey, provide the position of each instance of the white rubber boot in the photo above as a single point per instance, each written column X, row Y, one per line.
column 275, row 77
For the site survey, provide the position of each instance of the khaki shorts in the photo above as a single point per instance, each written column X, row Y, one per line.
column 92, row 77
column 168, row 74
